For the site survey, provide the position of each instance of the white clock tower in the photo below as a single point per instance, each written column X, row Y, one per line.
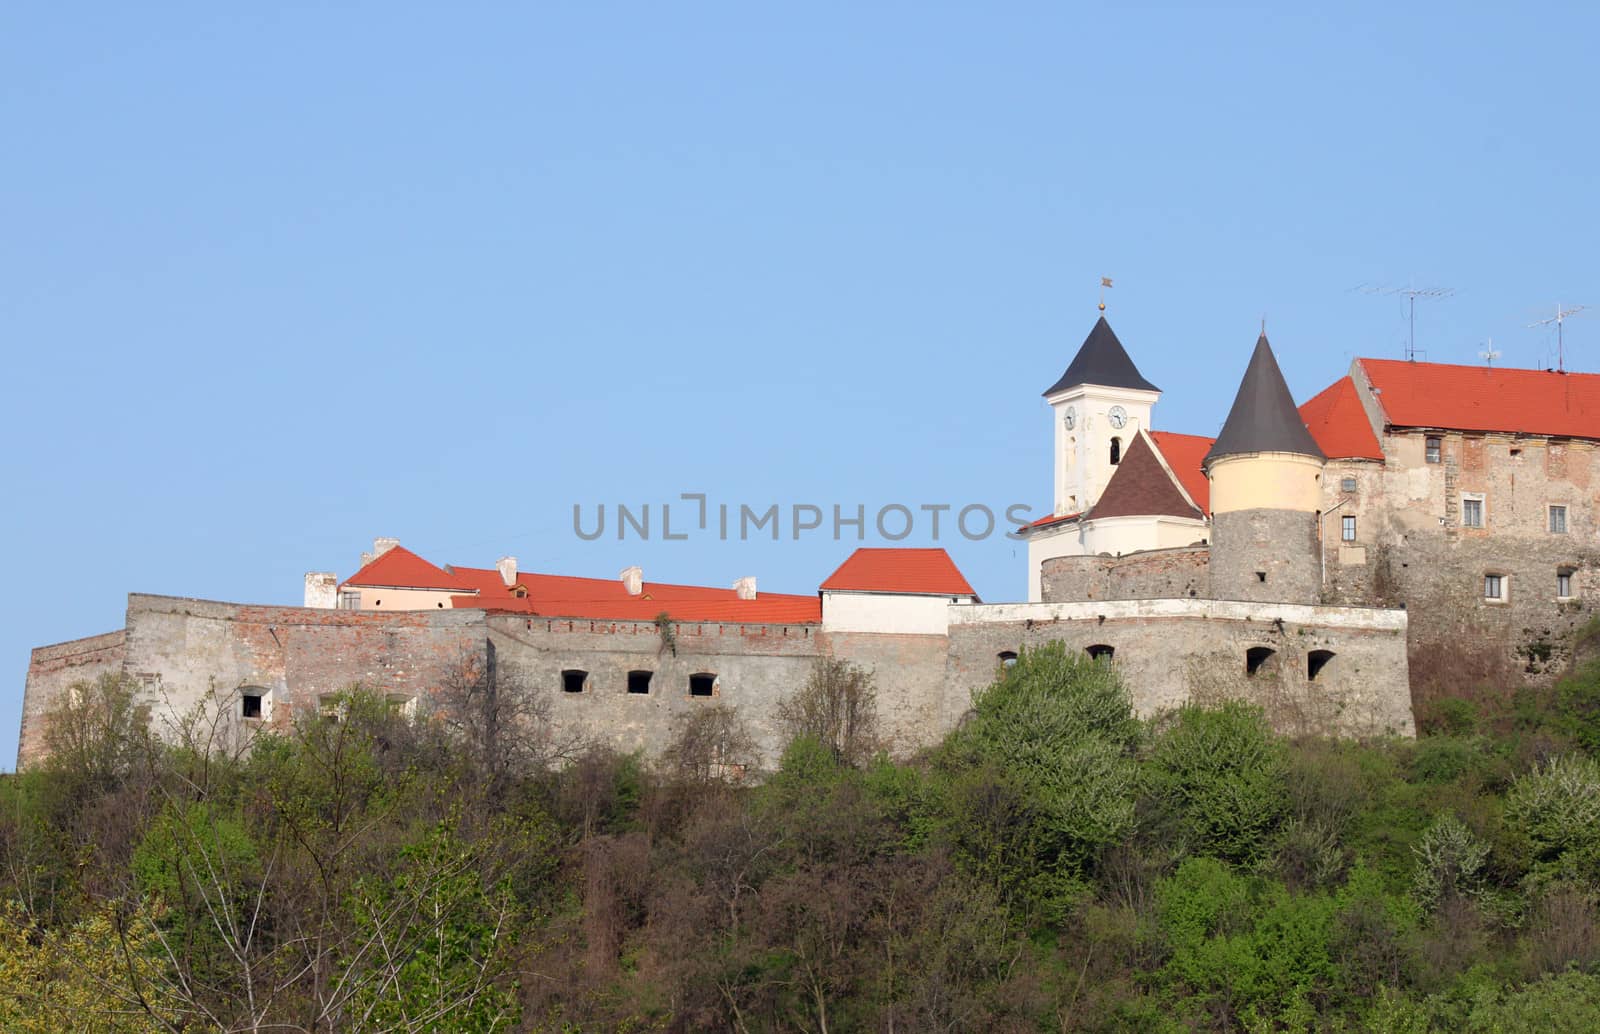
column 1099, row 404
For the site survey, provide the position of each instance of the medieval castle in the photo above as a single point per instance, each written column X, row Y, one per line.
column 1305, row 558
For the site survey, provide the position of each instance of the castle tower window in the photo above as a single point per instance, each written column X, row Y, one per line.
column 1347, row 485
column 1564, row 583
column 1258, row 660
column 702, row 684
column 1558, row 520
column 1100, row 653
column 1316, row 661
column 1347, row 528
column 573, row 680
column 1431, row 448
column 639, row 682
column 1494, row 587
column 1008, row 658
column 1116, row 451
column 1472, row 511
column 252, row 702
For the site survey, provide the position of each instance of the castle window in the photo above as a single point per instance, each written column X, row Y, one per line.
column 1494, row 588
column 1261, row 576
column 1558, row 520
column 1008, row 658
column 252, row 702
column 573, row 680
column 1116, row 451
column 1347, row 528
column 1472, row 511
column 349, row 599
column 1258, row 660
column 1431, row 448
column 401, row 705
column 1317, row 660
column 1563, row 583
column 639, row 682
column 1347, row 485
column 702, row 684
column 1100, row 653
column 331, row 707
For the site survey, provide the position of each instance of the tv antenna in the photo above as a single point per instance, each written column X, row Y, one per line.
column 1558, row 319
column 1410, row 294
column 1489, row 353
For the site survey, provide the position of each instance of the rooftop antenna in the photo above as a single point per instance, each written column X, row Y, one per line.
column 1410, row 294
column 1105, row 282
column 1558, row 319
column 1489, row 353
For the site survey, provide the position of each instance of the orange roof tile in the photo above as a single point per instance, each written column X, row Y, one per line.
column 1183, row 453
column 1338, row 422
column 928, row 572
column 765, row 609
column 1486, row 398
column 1050, row 518
column 399, row 568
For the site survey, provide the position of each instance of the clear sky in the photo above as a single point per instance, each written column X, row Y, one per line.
column 273, row 282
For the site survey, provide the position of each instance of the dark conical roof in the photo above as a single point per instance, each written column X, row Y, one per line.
column 1263, row 417
column 1102, row 360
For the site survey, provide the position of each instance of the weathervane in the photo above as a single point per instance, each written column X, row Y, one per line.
column 1105, row 282
column 1558, row 319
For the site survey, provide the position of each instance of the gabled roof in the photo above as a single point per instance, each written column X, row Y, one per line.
column 916, row 572
column 1185, row 453
column 399, row 568
column 1338, row 422
column 1142, row 486
column 1101, row 360
column 1485, row 398
column 1263, row 417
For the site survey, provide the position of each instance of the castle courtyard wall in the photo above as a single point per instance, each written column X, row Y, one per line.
column 51, row 670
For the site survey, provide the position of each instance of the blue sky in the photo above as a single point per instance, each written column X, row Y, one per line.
column 273, row 282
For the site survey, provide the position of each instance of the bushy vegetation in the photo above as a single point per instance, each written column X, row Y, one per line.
column 1054, row 865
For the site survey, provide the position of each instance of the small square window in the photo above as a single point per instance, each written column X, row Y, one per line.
column 1563, row 584
column 250, row 705
column 1431, row 448
column 638, row 682
column 1558, row 520
column 1347, row 528
column 349, row 599
column 1472, row 511
column 1347, row 484
column 702, row 684
column 1494, row 587
column 573, row 680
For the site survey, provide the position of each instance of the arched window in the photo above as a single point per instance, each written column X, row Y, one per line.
column 1258, row 660
column 1116, row 451
column 1101, row 653
column 1316, row 661
column 1008, row 658
column 573, row 680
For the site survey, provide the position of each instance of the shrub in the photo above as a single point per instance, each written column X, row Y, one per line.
column 838, row 707
column 1449, row 864
column 1555, row 811
column 1222, row 771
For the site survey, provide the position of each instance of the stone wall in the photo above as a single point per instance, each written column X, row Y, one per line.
column 1172, row 651
column 1152, row 574
column 51, row 669
column 1412, row 548
column 1266, row 556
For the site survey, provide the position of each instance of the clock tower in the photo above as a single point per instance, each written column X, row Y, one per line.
column 1098, row 405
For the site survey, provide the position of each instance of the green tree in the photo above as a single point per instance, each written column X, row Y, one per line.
column 1222, row 772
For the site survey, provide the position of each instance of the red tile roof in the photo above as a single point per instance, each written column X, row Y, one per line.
column 1142, row 487
column 1485, row 398
column 399, row 568
column 1338, row 422
column 1050, row 518
column 554, row 595
column 1183, row 453
column 928, row 572
column 765, row 609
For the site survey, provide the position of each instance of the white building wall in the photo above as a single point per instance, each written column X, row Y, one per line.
column 887, row 613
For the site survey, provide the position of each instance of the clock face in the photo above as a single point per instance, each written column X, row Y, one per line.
column 1118, row 416
column 1070, row 418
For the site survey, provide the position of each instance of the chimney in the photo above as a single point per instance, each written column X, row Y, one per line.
column 322, row 590
column 366, row 558
column 382, row 546
column 745, row 588
column 507, row 566
column 633, row 580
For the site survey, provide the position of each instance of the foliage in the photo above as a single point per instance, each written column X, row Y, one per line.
column 1555, row 812
column 838, row 707
column 1222, row 771
column 1450, row 864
